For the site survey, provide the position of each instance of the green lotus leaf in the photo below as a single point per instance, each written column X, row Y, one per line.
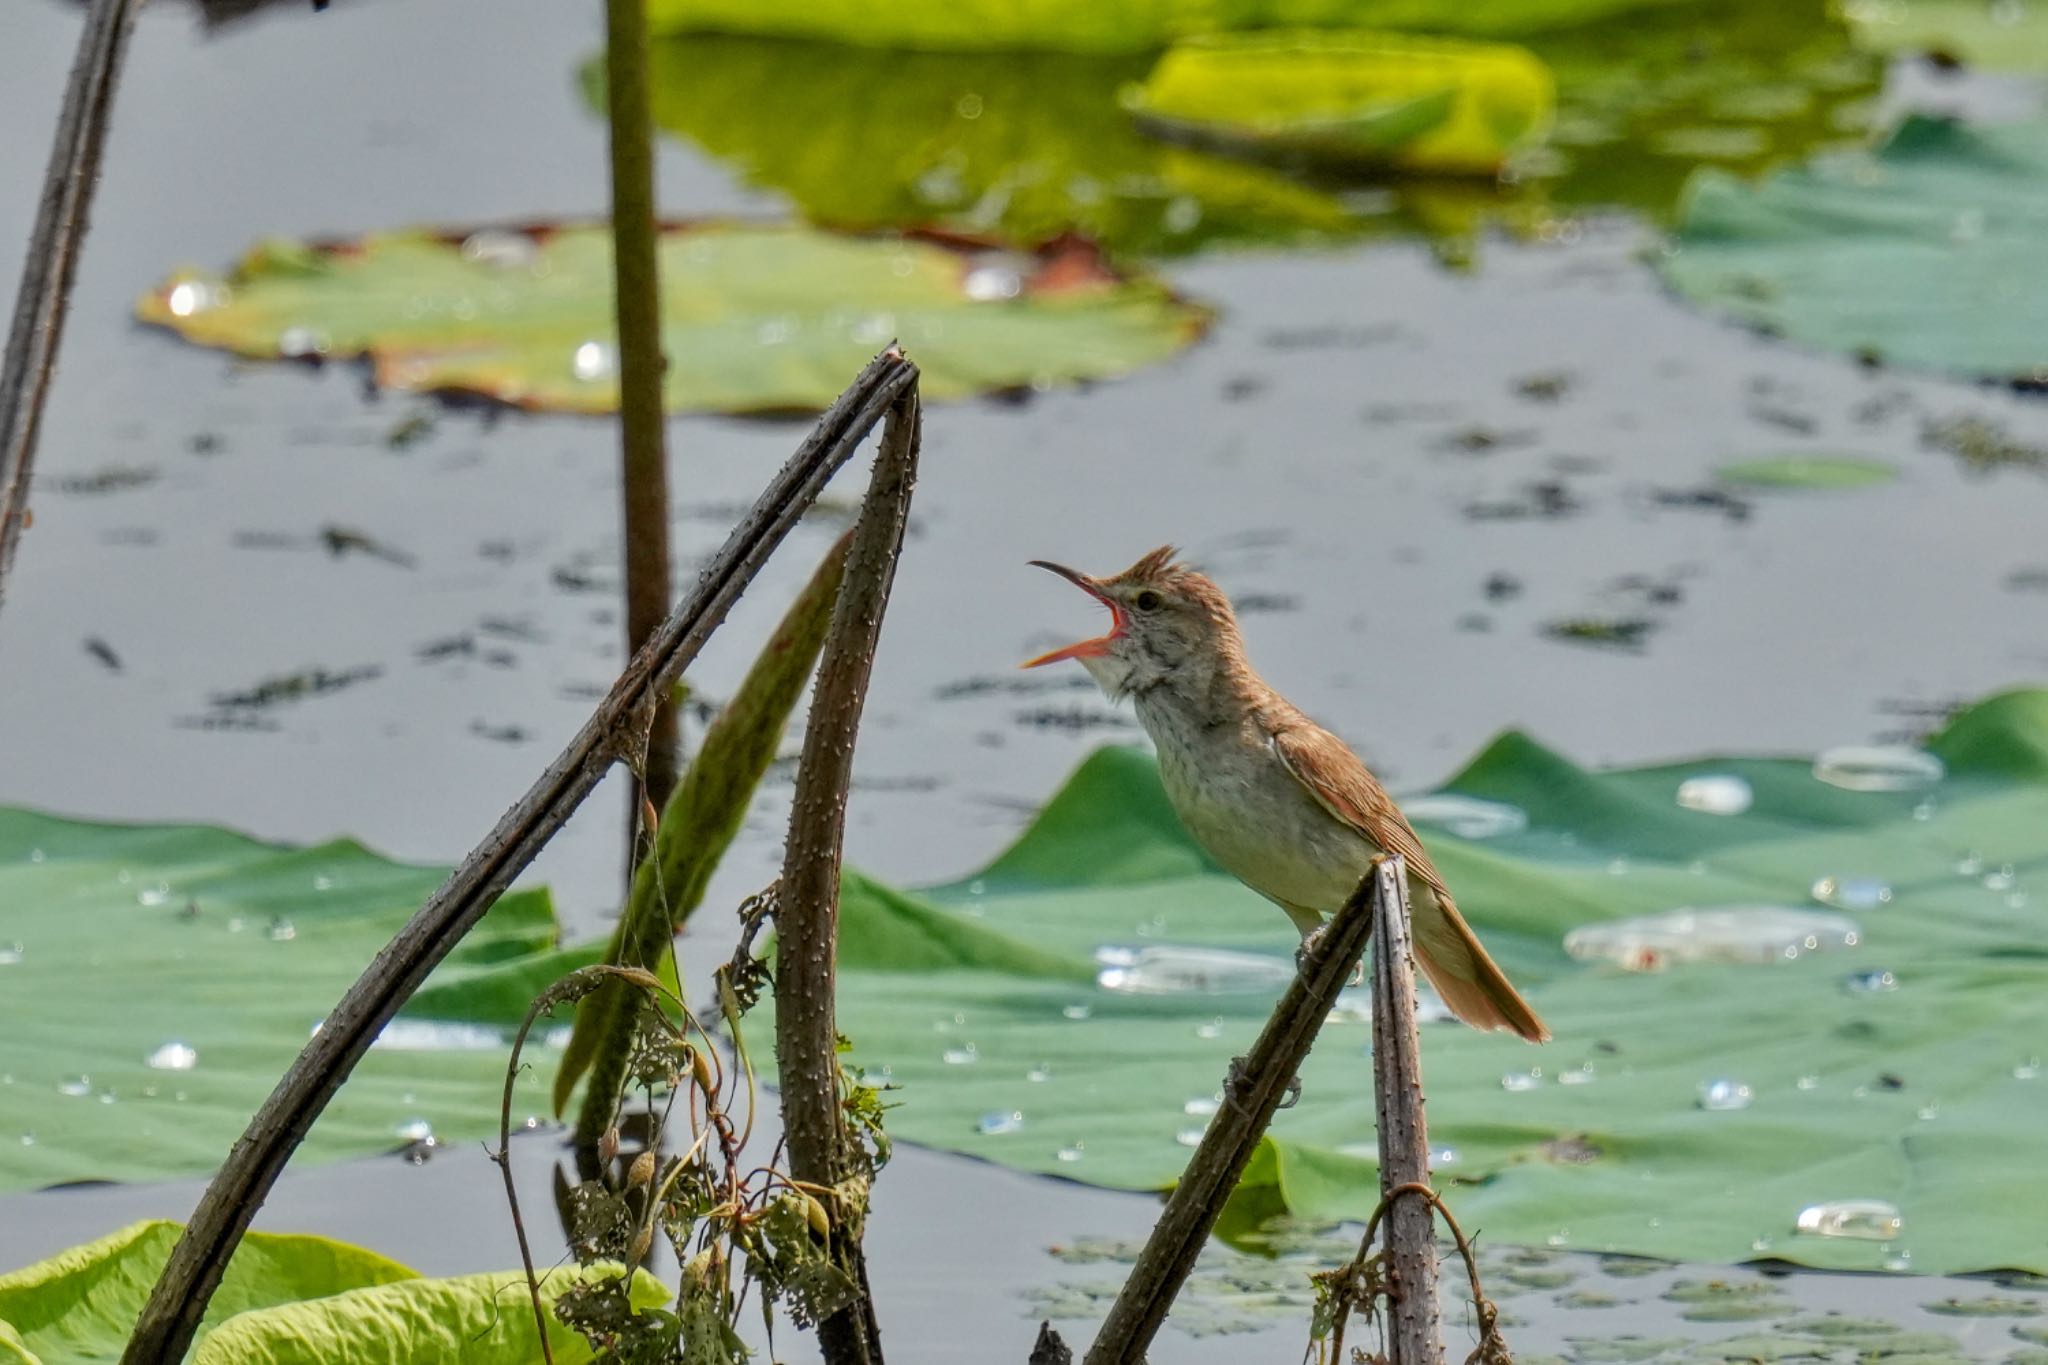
column 756, row 317
column 288, row 1300
column 155, row 981
column 80, row 1305
column 1902, row 1068
column 1922, row 253
column 463, row 1320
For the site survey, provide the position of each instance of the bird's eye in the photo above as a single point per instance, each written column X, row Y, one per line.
column 1147, row 600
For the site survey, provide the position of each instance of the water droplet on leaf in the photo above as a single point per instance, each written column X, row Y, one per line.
column 999, row 1122
column 1852, row 893
column 1877, row 768
column 1722, row 1094
column 174, row 1057
column 1716, row 794
column 1871, row 1220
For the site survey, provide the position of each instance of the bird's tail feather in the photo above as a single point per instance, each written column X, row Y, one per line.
column 1470, row 982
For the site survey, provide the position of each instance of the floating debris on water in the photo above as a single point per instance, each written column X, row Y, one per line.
column 1729, row 933
column 1166, row 969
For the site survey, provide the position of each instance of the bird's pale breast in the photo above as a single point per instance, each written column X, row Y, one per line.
column 1253, row 816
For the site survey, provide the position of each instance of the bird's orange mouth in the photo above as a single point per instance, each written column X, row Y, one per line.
column 1081, row 649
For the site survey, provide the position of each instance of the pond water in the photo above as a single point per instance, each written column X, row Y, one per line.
column 1459, row 499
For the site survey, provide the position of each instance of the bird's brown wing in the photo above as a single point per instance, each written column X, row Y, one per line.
column 1456, row 963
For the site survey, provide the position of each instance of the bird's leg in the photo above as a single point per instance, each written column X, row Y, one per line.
column 1237, row 1085
column 1309, row 941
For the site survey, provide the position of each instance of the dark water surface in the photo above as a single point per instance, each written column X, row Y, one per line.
column 1364, row 441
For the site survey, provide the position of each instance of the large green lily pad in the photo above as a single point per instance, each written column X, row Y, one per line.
column 155, row 981
column 285, row 1300
column 979, row 1000
column 1026, row 145
column 1082, row 26
column 756, row 317
column 1925, row 252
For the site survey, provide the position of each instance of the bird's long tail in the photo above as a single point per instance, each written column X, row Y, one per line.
column 1470, row 983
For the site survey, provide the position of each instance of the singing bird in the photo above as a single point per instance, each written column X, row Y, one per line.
column 1278, row 801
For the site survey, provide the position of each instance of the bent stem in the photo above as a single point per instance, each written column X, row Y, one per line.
column 171, row 1318
column 807, row 913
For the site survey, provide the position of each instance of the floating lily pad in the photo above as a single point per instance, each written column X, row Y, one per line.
column 1922, row 253
column 1839, row 1327
column 1735, row 1310
column 1808, row 471
column 756, row 318
column 238, row 948
column 1631, row 1267
column 286, row 1300
column 1350, row 97
column 1080, row 26
column 1991, row 1306
column 981, row 996
column 1762, row 1348
column 1909, row 1346
column 1623, row 1350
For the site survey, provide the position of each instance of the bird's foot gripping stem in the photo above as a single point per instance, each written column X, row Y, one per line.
column 1308, row 945
column 1237, row 1086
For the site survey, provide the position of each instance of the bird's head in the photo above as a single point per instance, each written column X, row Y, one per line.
column 1168, row 623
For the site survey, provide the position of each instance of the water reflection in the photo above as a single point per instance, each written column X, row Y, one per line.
column 1026, row 145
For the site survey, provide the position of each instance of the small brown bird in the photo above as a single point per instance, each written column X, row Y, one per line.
column 1278, row 801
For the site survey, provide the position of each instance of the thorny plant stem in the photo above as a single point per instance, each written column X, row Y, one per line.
column 171, row 1317
column 694, row 830
column 1253, row 1093
column 1414, row 1335
column 643, row 450
column 52, row 264
column 807, row 913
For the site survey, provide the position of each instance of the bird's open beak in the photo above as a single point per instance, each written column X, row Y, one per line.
column 1081, row 649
